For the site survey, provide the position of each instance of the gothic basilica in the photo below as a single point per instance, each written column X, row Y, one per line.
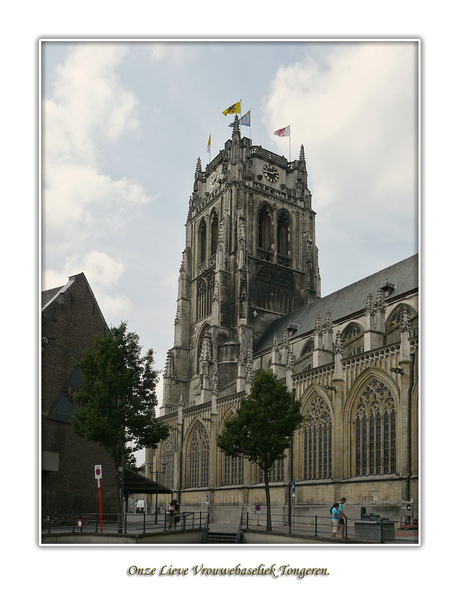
column 249, row 297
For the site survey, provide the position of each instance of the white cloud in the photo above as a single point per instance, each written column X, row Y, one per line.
column 357, row 119
column 356, row 114
column 88, row 109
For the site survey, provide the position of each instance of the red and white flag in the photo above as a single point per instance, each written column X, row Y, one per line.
column 286, row 132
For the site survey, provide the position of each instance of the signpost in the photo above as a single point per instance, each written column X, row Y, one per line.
column 293, row 502
column 98, row 476
column 258, row 512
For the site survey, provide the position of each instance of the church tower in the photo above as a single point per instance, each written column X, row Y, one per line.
column 250, row 257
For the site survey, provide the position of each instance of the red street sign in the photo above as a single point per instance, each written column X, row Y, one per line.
column 80, row 522
column 257, row 508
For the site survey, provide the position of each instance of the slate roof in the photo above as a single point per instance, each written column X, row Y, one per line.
column 346, row 301
column 47, row 295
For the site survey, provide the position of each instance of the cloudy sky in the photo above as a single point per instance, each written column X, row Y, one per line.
column 123, row 124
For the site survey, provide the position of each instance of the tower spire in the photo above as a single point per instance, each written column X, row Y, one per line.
column 236, row 127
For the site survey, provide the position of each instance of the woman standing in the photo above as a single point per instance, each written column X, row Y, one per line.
column 171, row 512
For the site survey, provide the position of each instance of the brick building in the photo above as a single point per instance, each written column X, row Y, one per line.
column 70, row 318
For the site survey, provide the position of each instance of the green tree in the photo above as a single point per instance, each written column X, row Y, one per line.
column 118, row 400
column 263, row 426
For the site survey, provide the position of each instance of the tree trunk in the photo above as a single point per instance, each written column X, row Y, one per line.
column 267, row 499
column 119, row 477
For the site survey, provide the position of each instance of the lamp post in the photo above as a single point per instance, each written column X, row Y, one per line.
column 157, row 473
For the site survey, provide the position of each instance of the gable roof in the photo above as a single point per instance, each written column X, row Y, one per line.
column 346, row 301
column 51, row 299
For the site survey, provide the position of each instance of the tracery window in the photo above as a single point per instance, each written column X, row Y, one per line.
column 204, row 292
column 395, row 317
column 318, row 440
column 375, row 420
column 308, row 348
column 351, row 331
column 199, row 457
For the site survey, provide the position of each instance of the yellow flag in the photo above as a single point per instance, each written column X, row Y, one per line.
column 209, row 144
column 235, row 109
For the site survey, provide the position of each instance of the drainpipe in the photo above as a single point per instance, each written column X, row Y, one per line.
column 409, row 425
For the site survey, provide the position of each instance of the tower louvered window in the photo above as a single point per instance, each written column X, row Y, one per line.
column 214, row 232
column 283, row 240
column 202, row 242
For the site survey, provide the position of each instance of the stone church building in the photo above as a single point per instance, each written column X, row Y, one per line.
column 249, row 297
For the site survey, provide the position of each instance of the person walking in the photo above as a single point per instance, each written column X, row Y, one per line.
column 335, row 519
column 342, row 517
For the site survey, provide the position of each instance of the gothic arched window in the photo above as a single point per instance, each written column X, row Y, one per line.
column 283, row 244
column 199, row 457
column 375, row 437
column 394, row 320
column 308, row 348
column 318, row 440
column 265, row 229
column 202, row 242
column 214, row 232
column 352, row 330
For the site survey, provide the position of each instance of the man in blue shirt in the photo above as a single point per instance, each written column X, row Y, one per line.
column 335, row 518
column 342, row 516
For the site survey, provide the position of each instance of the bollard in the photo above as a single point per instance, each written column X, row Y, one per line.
column 316, row 525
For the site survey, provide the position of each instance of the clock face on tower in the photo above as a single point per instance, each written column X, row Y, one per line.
column 214, row 179
column 271, row 173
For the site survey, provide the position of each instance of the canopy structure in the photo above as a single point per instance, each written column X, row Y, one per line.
column 135, row 483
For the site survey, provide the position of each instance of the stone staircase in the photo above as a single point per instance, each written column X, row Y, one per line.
column 222, row 534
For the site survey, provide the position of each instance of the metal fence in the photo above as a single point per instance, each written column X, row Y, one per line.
column 380, row 530
column 78, row 522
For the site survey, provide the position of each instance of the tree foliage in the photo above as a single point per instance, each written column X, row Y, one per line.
column 118, row 396
column 263, row 426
